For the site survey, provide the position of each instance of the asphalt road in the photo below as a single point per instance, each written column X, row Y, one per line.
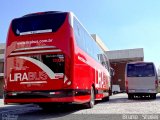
column 119, row 107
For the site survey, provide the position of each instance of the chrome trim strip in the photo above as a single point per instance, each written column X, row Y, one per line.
column 34, row 48
column 31, row 52
column 36, row 32
column 35, row 82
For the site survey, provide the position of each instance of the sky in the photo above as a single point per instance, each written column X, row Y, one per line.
column 121, row 24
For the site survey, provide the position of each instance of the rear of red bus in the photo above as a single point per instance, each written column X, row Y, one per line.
column 39, row 59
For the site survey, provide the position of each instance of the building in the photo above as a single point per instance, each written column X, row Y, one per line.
column 118, row 60
column 2, row 47
column 99, row 42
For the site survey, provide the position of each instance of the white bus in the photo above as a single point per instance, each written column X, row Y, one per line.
column 141, row 80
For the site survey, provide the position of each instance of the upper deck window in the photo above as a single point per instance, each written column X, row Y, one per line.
column 40, row 23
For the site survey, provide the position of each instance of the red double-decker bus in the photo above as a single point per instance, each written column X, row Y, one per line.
column 50, row 57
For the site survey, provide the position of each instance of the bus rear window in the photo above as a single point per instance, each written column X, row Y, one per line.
column 140, row 70
column 40, row 23
column 54, row 61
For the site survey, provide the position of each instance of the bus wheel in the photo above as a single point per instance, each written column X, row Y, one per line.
column 91, row 103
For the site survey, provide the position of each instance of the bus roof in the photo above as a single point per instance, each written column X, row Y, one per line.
column 39, row 13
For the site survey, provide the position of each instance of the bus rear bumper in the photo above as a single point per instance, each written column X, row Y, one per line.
column 68, row 96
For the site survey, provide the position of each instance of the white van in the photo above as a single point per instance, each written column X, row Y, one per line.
column 115, row 89
column 141, row 79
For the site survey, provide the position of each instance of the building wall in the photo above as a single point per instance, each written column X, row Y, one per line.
column 99, row 42
column 1, row 87
column 127, row 54
column 1, row 67
column 118, row 60
column 119, row 76
column 1, row 78
column 2, row 47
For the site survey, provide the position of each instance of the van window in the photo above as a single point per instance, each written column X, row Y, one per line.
column 140, row 70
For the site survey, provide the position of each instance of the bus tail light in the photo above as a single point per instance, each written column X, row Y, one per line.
column 55, row 93
column 67, row 79
column 156, row 83
column 126, row 84
column 68, row 82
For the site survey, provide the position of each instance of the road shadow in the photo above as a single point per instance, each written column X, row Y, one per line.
column 53, row 112
column 57, row 112
column 64, row 111
column 35, row 112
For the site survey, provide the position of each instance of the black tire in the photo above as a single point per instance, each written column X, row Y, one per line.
column 130, row 96
column 153, row 96
column 105, row 99
column 91, row 103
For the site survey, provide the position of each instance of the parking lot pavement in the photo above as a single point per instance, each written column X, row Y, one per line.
column 118, row 106
column 1, row 103
column 2, row 106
